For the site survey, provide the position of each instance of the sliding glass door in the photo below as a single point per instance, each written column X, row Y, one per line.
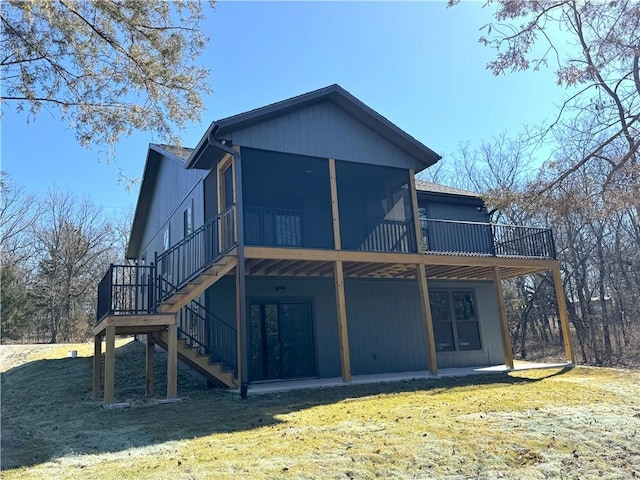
column 281, row 340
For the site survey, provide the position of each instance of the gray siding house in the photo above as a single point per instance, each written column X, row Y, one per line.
column 293, row 241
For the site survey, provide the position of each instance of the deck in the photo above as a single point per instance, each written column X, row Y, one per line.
column 160, row 299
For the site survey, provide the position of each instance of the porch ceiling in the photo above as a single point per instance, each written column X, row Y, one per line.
column 477, row 268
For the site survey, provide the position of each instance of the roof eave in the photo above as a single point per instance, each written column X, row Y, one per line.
column 351, row 104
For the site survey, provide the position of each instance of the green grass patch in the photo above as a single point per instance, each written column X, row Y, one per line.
column 577, row 423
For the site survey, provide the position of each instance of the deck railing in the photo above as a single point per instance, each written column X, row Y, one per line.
column 519, row 241
column 280, row 227
column 376, row 234
column 189, row 257
column 211, row 335
column 127, row 290
column 479, row 238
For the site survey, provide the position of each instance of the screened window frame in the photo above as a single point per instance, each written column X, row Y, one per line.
column 453, row 320
column 166, row 237
column 187, row 220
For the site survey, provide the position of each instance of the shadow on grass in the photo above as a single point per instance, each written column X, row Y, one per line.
column 47, row 410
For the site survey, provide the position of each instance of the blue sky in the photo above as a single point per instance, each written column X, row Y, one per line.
column 418, row 64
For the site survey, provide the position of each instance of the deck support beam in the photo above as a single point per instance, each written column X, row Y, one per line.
column 97, row 367
column 149, row 373
column 562, row 313
column 109, row 365
column 172, row 362
column 504, row 322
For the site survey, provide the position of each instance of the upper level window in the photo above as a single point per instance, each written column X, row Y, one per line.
column 455, row 321
column 166, row 239
column 227, row 188
column 188, row 220
column 288, row 230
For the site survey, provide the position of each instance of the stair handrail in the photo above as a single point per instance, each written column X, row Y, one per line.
column 189, row 257
column 220, row 341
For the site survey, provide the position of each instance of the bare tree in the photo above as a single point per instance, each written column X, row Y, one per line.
column 18, row 214
column 593, row 47
column 77, row 244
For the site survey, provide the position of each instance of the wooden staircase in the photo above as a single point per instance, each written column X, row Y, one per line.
column 198, row 285
column 159, row 300
column 182, row 297
column 213, row 372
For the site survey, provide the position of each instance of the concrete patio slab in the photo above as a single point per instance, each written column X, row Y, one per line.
column 288, row 385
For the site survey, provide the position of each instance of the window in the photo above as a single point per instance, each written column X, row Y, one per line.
column 227, row 188
column 442, row 324
column 165, row 266
column 166, row 239
column 188, row 220
column 466, row 321
column 288, row 231
column 455, row 321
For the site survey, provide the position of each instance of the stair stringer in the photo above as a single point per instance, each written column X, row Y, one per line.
column 200, row 363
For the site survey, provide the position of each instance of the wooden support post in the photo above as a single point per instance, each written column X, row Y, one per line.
column 416, row 211
column 338, row 275
column 335, row 213
column 562, row 313
column 149, row 373
column 172, row 362
column 109, row 365
column 345, row 358
column 421, row 275
column 504, row 322
column 243, row 353
column 97, row 367
column 425, row 307
column 241, row 314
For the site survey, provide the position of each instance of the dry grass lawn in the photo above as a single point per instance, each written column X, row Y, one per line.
column 580, row 423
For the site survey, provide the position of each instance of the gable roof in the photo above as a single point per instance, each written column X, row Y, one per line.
column 429, row 187
column 147, row 185
column 180, row 153
column 334, row 93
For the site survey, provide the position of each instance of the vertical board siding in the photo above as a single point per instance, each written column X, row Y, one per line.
column 174, row 186
column 324, row 130
column 385, row 326
column 454, row 211
column 383, row 317
column 386, row 330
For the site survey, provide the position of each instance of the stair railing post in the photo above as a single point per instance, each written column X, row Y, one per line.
column 554, row 253
column 494, row 245
column 156, row 280
column 110, row 288
column 152, row 307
